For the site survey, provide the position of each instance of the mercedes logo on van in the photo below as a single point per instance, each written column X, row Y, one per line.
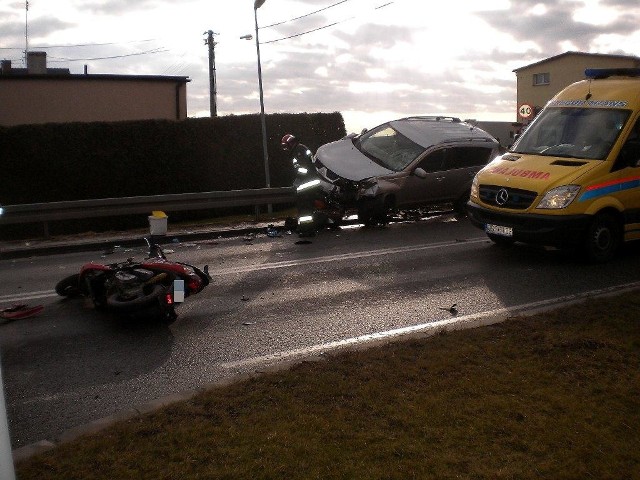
column 502, row 196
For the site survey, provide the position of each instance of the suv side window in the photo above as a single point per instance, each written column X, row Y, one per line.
column 465, row 157
column 434, row 161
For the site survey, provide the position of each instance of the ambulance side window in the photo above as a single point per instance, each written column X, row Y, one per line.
column 630, row 153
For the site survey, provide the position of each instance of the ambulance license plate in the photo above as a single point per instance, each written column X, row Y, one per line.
column 498, row 230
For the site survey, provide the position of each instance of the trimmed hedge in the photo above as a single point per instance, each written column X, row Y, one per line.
column 74, row 161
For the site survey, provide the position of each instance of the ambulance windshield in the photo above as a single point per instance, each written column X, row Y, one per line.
column 587, row 133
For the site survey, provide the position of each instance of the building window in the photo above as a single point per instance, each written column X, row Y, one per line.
column 541, row 79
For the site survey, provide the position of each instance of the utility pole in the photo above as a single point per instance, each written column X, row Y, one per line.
column 212, row 72
column 26, row 32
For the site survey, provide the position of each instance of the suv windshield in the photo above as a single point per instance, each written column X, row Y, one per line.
column 573, row 133
column 388, row 147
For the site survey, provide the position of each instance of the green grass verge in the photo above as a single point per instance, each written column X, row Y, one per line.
column 552, row 396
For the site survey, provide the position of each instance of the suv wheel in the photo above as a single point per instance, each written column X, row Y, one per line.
column 460, row 205
column 374, row 212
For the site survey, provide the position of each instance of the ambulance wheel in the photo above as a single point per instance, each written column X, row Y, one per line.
column 603, row 238
column 500, row 241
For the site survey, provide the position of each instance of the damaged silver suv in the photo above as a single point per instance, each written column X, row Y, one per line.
column 409, row 162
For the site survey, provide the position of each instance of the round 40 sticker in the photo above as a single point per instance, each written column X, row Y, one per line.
column 525, row 110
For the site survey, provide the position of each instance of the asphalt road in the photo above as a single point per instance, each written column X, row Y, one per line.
column 271, row 298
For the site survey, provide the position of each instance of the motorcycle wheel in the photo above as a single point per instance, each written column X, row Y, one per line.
column 69, row 286
column 115, row 302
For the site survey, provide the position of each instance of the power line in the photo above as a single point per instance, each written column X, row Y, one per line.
column 309, row 31
column 321, row 28
column 303, row 16
column 149, row 52
column 177, row 67
column 81, row 45
column 97, row 44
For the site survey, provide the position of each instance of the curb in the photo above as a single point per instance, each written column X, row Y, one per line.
column 25, row 251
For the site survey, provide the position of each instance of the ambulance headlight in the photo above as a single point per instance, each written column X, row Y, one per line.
column 308, row 185
column 559, row 197
column 475, row 190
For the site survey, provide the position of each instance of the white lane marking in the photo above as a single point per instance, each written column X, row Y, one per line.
column 20, row 297
column 430, row 328
column 344, row 256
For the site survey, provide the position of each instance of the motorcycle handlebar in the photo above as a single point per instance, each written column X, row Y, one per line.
column 155, row 250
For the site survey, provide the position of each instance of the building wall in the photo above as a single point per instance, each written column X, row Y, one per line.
column 562, row 71
column 47, row 99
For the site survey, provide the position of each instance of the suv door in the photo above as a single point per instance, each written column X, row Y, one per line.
column 414, row 190
column 460, row 166
column 450, row 172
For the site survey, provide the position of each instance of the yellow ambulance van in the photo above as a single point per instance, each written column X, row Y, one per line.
column 572, row 180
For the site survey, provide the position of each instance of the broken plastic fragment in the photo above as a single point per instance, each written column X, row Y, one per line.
column 20, row 311
column 273, row 232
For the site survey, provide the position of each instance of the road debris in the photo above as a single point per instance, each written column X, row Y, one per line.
column 273, row 231
column 453, row 309
column 20, row 311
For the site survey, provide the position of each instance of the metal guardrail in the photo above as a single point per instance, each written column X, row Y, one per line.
column 108, row 207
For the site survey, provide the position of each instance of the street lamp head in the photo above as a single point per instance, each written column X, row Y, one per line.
column 258, row 4
column 247, row 37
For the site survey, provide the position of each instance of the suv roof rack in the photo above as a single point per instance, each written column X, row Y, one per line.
column 600, row 73
column 436, row 118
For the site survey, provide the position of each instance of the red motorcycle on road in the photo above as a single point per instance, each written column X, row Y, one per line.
column 153, row 285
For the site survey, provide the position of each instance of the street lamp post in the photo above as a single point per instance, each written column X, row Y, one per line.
column 256, row 6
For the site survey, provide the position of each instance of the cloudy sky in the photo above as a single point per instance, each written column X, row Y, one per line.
column 371, row 60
